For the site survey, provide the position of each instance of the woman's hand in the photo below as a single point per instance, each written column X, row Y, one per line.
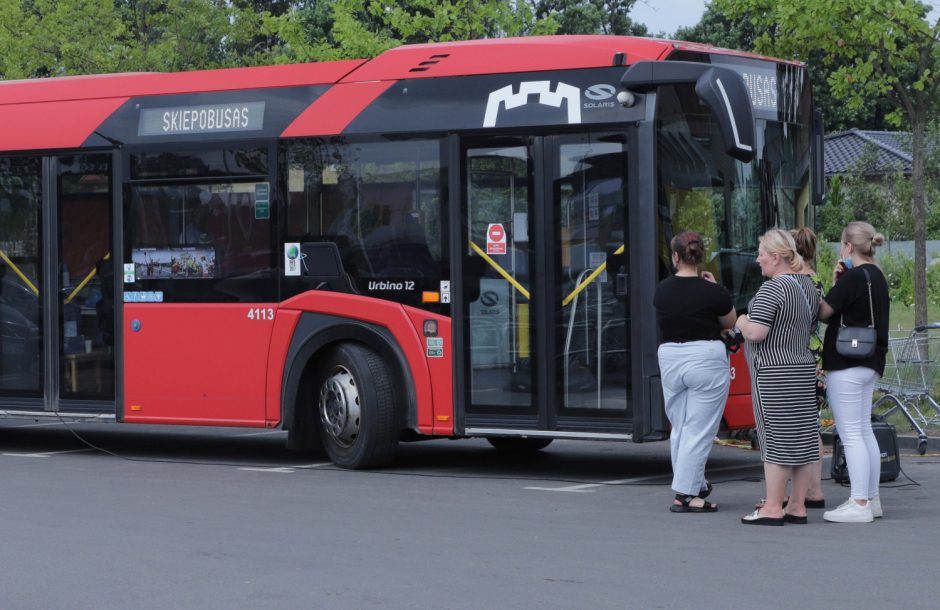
column 707, row 275
column 837, row 271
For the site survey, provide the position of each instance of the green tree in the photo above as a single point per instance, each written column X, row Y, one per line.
column 890, row 51
column 590, row 16
column 58, row 37
column 176, row 35
column 40, row 38
column 363, row 29
column 719, row 29
column 869, row 192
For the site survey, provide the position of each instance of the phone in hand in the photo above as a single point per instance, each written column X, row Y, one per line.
column 840, row 269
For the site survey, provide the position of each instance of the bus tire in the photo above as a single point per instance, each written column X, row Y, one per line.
column 357, row 408
column 505, row 444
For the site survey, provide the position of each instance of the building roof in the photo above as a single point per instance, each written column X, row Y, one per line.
column 844, row 150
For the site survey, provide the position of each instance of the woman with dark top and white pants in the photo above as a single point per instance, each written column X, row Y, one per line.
column 692, row 310
column 777, row 329
column 850, row 383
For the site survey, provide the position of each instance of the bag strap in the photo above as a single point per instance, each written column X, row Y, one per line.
column 871, row 307
column 805, row 298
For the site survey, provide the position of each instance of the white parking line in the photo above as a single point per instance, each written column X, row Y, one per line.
column 260, row 433
column 591, row 487
column 45, row 454
column 37, row 425
column 284, row 469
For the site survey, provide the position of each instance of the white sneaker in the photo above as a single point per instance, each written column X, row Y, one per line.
column 875, row 505
column 850, row 512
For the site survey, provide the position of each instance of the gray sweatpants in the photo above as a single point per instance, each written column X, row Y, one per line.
column 695, row 377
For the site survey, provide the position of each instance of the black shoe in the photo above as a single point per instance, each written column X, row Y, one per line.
column 685, row 505
column 794, row 519
column 755, row 519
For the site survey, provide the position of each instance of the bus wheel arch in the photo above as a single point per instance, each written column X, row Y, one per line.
column 343, row 361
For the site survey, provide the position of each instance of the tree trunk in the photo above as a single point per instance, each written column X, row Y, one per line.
column 919, row 150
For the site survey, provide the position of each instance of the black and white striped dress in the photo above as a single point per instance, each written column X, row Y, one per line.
column 783, row 370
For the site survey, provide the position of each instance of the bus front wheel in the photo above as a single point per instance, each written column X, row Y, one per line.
column 518, row 445
column 356, row 404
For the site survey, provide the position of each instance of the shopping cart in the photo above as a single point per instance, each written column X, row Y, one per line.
column 910, row 380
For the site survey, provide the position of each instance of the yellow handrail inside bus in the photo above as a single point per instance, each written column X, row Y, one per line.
column 87, row 279
column 16, row 270
column 500, row 270
column 584, row 284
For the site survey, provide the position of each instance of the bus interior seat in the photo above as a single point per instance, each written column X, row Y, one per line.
column 322, row 266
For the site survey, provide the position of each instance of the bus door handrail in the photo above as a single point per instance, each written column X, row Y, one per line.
column 582, row 284
column 19, row 272
column 88, row 278
column 570, row 333
column 500, row 270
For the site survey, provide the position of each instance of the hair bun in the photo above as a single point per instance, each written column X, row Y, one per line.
column 877, row 239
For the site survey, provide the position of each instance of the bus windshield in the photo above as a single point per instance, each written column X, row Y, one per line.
column 728, row 202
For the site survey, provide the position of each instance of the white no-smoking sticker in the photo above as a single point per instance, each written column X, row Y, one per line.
column 495, row 239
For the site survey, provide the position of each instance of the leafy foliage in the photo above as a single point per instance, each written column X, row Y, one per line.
column 590, row 16
column 878, row 50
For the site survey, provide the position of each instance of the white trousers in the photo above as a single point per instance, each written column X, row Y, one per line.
column 695, row 377
column 849, row 392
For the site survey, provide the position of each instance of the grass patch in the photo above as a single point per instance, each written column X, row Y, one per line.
column 902, row 316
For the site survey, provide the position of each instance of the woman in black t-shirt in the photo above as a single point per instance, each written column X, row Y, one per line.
column 692, row 311
column 859, row 297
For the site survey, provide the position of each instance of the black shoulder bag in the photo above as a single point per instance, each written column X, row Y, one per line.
column 857, row 342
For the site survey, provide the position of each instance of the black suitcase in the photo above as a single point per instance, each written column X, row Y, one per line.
column 887, row 437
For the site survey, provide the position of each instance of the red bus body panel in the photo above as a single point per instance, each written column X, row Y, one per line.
column 739, row 411
column 134, row 84
column 63, row 124
column 335, row 109
column 405, row 326
column 195, row 364
column 64, row 112
column 503, row 55
column 284, row 324
column 441, row 371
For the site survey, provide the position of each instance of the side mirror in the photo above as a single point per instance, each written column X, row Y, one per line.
column 818, row 176
column 721, row 89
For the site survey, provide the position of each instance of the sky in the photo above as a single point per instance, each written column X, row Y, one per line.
column 667, row 15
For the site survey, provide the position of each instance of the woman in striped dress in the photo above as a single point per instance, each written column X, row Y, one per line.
column 777, row 328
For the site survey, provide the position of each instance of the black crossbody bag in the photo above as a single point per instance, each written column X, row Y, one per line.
column 857, row 342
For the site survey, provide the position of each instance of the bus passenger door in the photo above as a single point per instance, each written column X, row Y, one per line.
column 499, row 255
column 56, row 287
column 545, row 329
column 590, row 298
column 84, row 280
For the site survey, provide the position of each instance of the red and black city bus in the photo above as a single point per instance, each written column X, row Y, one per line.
column 449, row 240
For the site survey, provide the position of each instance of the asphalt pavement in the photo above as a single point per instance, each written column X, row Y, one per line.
column 159, row 517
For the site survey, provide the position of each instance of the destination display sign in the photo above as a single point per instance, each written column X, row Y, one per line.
column 212, row 118
column 761, row 84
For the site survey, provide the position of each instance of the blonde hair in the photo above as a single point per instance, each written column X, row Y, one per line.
column 863, row 237
column 780, row 242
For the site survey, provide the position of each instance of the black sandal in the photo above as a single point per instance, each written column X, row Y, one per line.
column 686, row 505
column 705, row 491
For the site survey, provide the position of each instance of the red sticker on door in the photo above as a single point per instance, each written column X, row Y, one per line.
column 495, row 239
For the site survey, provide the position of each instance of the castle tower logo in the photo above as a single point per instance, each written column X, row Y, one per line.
column 505, row 99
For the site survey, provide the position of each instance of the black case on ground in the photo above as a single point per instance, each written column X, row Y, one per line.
column 887, row 437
